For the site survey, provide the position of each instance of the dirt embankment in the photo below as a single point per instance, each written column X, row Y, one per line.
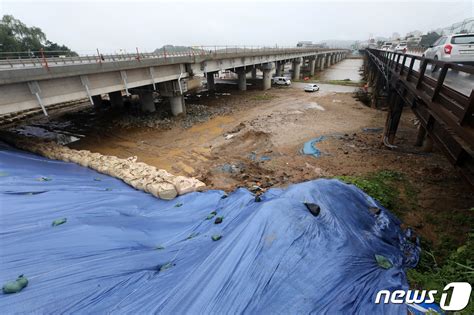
column 253, row 139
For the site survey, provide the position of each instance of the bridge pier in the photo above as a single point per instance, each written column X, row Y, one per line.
column 328, row 61
column 146, row 101
column 254, row 73
column 296, row 68
column 178, row 106
column 97, row 99
column 278, row 68
column 267, row 76
column 242, row 76
column 116, row 99
column 322, row 63
column 312, row 66
column 211, row 85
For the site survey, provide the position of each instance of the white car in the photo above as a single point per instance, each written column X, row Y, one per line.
column 458, row 48
column 311, row 87
column 281, row 81
column 401, row 47
column 386, row 46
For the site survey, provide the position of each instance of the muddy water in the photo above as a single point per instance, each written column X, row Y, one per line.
column 346, row 69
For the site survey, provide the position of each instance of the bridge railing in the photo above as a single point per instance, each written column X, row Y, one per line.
column 11, row 60
column 442, row 96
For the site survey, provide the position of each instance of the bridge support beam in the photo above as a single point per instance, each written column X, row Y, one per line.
column 267, row 76
column 178, row 106
column 242, row 76
column 211, row 85
column 146, row 101
column 97, row 99
column 393, row 117
column 296, row 68
column 116, row 99
column 312, row 66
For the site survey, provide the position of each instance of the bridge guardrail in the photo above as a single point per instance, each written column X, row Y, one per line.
column 24, row 60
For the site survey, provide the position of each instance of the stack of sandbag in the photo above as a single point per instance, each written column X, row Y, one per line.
column 139, row 175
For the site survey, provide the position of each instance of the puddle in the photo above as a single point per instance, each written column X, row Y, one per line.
column 309, row 148
column 59, row 136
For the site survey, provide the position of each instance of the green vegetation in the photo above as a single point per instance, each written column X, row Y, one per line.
column 346, row 82
column 390, row 188
column 441, row 262
column 430, row 274
column 15, row 36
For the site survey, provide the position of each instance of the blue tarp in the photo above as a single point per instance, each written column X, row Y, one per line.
column 124, row 251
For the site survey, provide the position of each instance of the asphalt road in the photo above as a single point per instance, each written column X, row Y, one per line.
column 459, row 81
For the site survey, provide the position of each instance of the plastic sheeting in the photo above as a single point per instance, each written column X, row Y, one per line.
column 124, row 251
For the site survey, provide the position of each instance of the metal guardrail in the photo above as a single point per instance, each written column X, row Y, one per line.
column 445, row 113
column 24, row 59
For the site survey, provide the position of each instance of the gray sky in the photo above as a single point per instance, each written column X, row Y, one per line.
column 111, row 25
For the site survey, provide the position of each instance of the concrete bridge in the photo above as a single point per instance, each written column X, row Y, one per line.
column 33, row 83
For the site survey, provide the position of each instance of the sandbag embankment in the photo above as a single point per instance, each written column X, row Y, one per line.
column 141, row 176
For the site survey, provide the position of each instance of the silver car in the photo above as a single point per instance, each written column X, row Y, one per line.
column 311, row 87
column 458, row 48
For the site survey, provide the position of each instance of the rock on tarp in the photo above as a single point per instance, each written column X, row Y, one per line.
column 124, row 251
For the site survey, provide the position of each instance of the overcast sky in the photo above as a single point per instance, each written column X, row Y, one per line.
column 111, row 25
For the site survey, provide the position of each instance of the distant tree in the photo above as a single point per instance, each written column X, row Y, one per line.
column 15, row 36
column 429, row 39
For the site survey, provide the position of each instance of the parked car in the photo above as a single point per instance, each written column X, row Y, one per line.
column 386, row 46
column 401, row 47
column 281, row 81
column 311, row 87
column 458, row 48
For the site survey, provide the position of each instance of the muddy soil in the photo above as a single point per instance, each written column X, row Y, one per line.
column 254, row 139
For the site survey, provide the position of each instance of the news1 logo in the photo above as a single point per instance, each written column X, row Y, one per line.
column 460, row 294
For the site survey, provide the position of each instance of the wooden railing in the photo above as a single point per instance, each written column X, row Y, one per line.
column 440, row 94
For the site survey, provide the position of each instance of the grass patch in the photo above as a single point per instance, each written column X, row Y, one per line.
column 440, row 263
column 263, row 97
column 390, row 188
column 345, row 82
column 431, row 274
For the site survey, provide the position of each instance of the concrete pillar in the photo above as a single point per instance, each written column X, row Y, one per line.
column 97, row 99
column 254, row 73
column 282, row 66
column 267, row 76
column 278, row 69
column 146, row 102
column 327, row 59
column 211, row 85
column 323, row 63
column 296, row 68
column 242, row 79
column 312, row 66
column 116, row 99
column 177, row 105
